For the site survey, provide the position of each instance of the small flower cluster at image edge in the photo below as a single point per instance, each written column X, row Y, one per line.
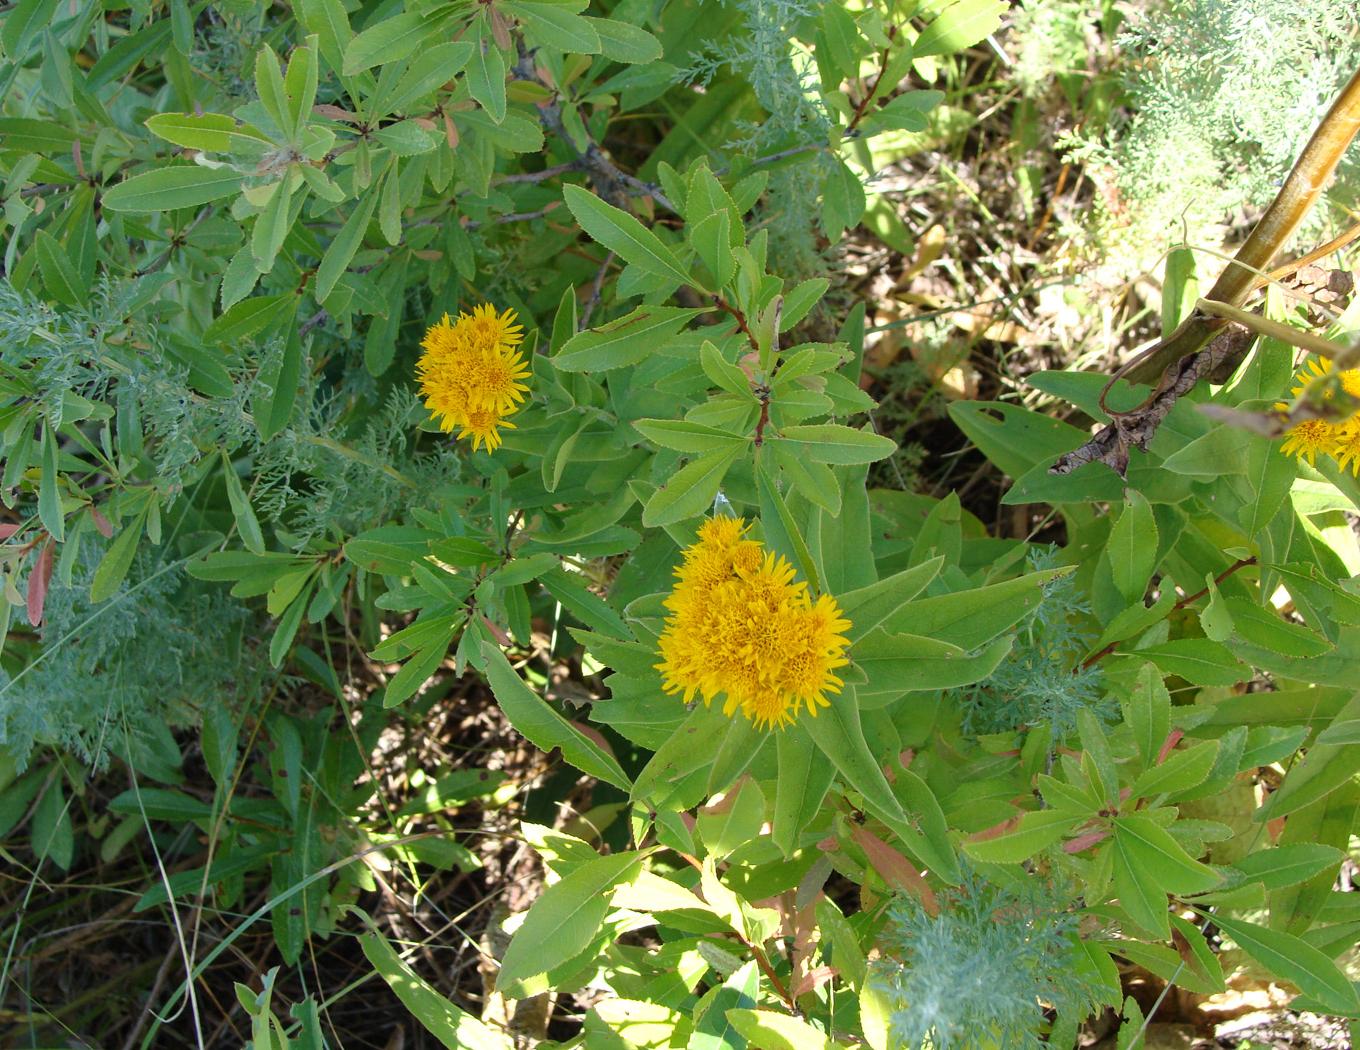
column 1340, row 440
column 471, row 374
column 742, row 626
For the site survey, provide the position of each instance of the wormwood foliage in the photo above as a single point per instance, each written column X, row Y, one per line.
column 352, row 351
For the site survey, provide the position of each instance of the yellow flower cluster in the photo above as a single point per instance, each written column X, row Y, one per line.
column 471, row 374
column 742, row 625
column 1340, row 440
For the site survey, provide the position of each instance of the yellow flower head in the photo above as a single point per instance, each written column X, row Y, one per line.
column 743, row 626
column 1314, row 370
column 1346, row 448
column 1307, row 438
column 471, row 374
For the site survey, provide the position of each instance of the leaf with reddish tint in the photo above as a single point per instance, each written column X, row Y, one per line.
column 895, row 868
column 38, row 580
column 101, row 523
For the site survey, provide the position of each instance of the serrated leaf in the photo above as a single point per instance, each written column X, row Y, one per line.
column 1295, row 960
column 390, row 40
column 691, row 490
column 842, row 445
column 1036, row 831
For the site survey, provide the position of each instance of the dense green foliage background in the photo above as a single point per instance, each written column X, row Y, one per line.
column 306, row 703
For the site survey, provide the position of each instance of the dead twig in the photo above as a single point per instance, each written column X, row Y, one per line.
column 1178, row 359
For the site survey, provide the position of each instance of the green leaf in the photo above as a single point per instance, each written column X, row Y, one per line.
column 390, row 549
column 712, row 1029
column 428, row 71
column 683, row 436
column 288, row 627
column 840, row 737
column 341, row 250
column 53, row 837
column 775, row 1031
column 1132, row 547
column 552, row 26
column 1197, row 660
column 25, row 20
column 622, row 234
column 113, row 567
column 210, row 132
column 276, row 408
column 545, row 728
column 625, row 341
column 802, row 784
column 59, row 274
column 624, row 42
column 168, row 188
column 390, row 40
column 24, row 135
column 300, row 82
column 1181, row 771
column 781, row 531
column 455, row 1028
column 1215, row 619
column 272, row 225
column 833, row 443
column 1147, row 712
column 562, row 922
column 960, row 25
column 901, row 663
column 734, row 820
column 970, row 618
column 1289, row 865
column 724, row 374
column 1347, row 732
column 1324, row 768
column 486, row 77
column 246, row 523
column 247, row 318
column 867, row 607
column 423, row 663
column 1036, row 831
column 1017, row 439
column 1296, row 961
column 330, row 22
column 585, row 605
column 389, row 217
column 711, row 239
column 49, row 499
column 1153, row 849
column 269, row 88
column 691, row 490
column 665, row 779
column 1180, row 288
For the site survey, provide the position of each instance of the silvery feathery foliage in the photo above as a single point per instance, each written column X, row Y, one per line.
column 99, row 354
column 111, row 677
column 315, row 477
column 1224, row 97
column 1036, row 684
column 1051, row 39
column 784, row 81
column 323, row 473
column 976, row 973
